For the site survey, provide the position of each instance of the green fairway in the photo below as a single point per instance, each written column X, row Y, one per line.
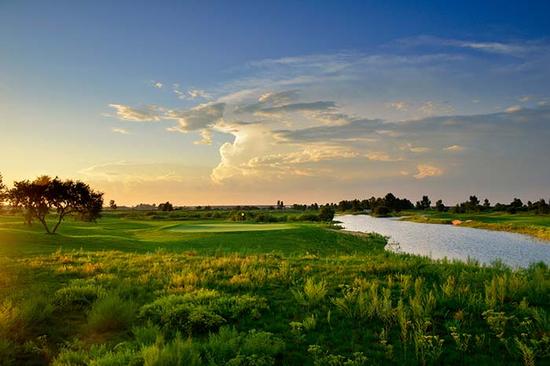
column 226, row 227
column 136, row 290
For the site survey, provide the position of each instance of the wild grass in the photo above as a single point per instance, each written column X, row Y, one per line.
column 207, row 303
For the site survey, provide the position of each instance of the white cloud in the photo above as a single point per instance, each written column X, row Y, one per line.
column 380, row 156
column 398, row 105
column 425, row 171
column 206, row 138
column 198, row 93
column 157, row 84
column 513, row 109
column 140, row 114
column 454, row 148
column 122, row 131
column 197, row 118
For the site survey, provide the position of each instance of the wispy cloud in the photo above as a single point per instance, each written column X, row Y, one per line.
column 138, row 114
column 121, row 131
column 426, row 171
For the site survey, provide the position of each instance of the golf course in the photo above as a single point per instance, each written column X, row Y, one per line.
column 157, row 289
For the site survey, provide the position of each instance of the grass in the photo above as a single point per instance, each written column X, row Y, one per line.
column 522, row 223
column 132, row 291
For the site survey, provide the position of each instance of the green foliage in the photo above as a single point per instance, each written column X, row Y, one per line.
column 313, row 293
column 176, row 352
column 111, row 313
column 78, row 295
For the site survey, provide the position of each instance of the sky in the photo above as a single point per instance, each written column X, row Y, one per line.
column 250, row 102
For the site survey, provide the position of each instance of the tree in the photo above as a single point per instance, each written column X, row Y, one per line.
column 439, row 206
column 43, row 195
column 424, row 204
column 112, row 205
column 2, row 190
column 326, row 213
column 167, row 206
column 381, row 211
column 486, row 204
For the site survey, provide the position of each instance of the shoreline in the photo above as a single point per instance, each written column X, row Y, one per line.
column 540, row 233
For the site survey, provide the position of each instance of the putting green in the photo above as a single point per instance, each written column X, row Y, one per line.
column 229, row 227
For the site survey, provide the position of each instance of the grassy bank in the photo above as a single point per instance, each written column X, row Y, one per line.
column 134, row 291
column 522, row 223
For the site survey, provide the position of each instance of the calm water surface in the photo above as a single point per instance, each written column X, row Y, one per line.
column 453, row 242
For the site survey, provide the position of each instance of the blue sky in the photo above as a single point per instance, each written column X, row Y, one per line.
column 250, row 102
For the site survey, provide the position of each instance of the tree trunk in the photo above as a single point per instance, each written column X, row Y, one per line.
column 45, row 224
column 58, row 223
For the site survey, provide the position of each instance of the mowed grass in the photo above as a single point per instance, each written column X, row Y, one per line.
column 130, row 291
column 225, row 227
column 139, row 236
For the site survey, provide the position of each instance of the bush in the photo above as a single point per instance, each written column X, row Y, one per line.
column 381, row 211
column 7, row 354
column 177, row 352
column 111, row 313
column 230, row 347
column 78, row 296
column 326, row 213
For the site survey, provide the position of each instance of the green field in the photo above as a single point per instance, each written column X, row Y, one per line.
column 147, row 290
column 523, row 223
column 225, row 227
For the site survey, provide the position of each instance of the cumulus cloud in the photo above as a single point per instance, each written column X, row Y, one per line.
column 157, row 84
column 425, row 171
column 138, row 114
column 206, row 138
column 197, row 118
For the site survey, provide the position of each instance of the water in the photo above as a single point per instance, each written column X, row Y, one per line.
column 454, row 242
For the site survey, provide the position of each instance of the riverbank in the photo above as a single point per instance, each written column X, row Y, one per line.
column 537, row 226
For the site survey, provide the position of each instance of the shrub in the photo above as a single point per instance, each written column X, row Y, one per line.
column 381, row 211
column 78, row 296
column 230, row 347
column 176, row 352
column 313, row 294
column 147, row 334
column 111, row 313
column 7, row 354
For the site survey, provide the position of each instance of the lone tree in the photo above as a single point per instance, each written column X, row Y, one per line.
column 43, row 195
column 112, row 205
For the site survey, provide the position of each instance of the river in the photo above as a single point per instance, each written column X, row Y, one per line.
column 453, row 242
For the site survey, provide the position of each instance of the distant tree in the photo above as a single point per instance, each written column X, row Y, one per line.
column 43, row 195
column 473, row 203
column 486, row 204
column 326, row 213
column 439, row 206
column 112, row 205
column 424, row 204
column 2, row 190
column 381, row 211
column 167, row 206
column 280, row 205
